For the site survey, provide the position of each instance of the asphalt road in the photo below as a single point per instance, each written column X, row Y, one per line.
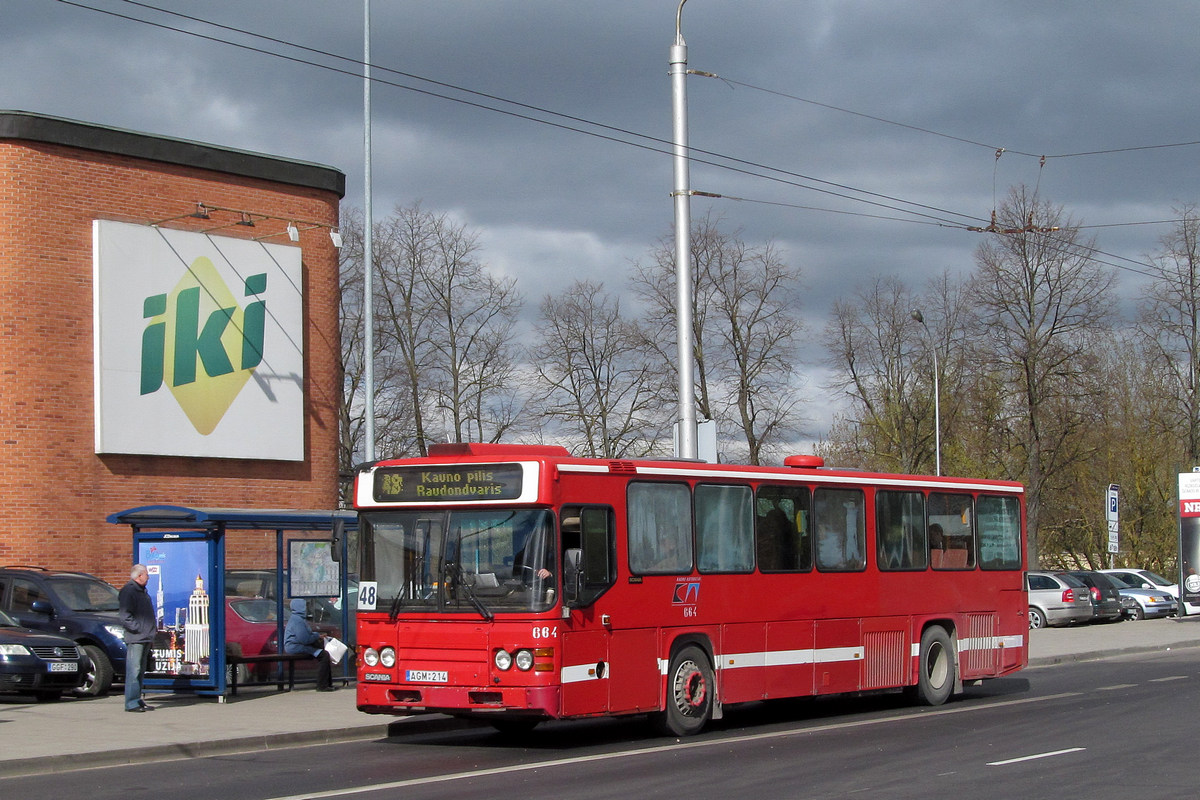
column 1082, row 729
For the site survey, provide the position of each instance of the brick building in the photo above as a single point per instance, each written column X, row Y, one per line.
column 116, row 238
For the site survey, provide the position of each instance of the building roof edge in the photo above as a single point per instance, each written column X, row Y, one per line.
column 29, row 126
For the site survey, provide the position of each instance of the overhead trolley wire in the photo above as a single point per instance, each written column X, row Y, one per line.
column 657, row 145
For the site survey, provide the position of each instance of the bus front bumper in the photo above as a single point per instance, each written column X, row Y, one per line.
column 409, row 699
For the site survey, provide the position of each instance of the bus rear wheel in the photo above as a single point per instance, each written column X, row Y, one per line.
column 690, row 688
column 935, row 680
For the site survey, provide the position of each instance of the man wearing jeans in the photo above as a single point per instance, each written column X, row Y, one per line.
column 137, row 615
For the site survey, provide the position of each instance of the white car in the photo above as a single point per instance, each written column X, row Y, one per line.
column 1145, row 579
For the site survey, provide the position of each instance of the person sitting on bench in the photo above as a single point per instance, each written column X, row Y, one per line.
column 298, row 637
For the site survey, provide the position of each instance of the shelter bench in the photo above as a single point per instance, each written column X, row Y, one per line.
column 264, row 658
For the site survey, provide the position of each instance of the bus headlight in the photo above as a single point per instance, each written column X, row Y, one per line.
column 387, row 657
column 503, row 660
column 524, row 660
column 371, row 657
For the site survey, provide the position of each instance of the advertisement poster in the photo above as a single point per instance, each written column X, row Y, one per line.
column 178, row 586
column 198, row 338
column 312, row 571
column 1189, row 536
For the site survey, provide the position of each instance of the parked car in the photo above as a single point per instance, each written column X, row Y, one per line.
column 251, row 626
column 36, row 663
column 76, row 605
column 1106, row 596
column 1056, row 598
column 1150, row 579
column 324, row 612
column 1144, row 603
column 1143, row 579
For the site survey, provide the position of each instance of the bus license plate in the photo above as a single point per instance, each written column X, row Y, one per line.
column 426, row 676
column 64, row 667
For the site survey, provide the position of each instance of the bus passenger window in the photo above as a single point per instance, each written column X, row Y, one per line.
column 725, row 528
column 783, row 540
column 952, row 531
column 660, row 528
column 841, row 529
column 999, row 532
column 900, row 530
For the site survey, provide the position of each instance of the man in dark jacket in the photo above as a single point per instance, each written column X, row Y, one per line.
column 137, row 616
column 298, row 637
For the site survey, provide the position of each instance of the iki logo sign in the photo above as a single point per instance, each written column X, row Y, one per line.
column 202, row 343
column 199, row 344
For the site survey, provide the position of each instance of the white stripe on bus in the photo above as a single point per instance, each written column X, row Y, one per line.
column 791, row 658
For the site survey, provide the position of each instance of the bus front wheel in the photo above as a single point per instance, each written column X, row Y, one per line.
column 935, row 680
column 690, row 688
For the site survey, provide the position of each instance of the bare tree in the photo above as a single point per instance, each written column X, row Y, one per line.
column 874, row 348
column 599, row 380
column 350, row 321
column 1169, row 322
column 746, row 327
column 474, row 314
column 1042, row 303
column 444, row 336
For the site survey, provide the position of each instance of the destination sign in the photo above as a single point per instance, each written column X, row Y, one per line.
column 447, row 484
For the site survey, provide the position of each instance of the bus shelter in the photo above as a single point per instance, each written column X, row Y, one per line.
column 221, row 579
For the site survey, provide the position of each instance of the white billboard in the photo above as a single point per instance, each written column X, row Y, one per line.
column 199, row 344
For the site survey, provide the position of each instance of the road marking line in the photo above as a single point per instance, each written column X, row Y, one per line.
column 1169, row 678
column 676, row 745
column 1039, row 755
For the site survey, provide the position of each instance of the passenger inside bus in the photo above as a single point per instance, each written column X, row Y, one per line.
column 937, row 545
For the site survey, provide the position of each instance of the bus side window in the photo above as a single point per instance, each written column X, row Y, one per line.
column 841, row 529
column 783, row 543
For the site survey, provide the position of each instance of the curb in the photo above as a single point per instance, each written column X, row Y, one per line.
column 1094, row 655
column 49, row 765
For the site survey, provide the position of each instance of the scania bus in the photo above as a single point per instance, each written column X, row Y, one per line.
column 516, row 584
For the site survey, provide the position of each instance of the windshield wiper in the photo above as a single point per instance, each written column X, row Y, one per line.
column 394, row 612
column 483, row 610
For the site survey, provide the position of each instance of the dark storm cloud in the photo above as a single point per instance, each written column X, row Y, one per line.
column 551, row 205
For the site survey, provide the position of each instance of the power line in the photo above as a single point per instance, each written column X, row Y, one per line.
column 998, row 149
column 656, row 144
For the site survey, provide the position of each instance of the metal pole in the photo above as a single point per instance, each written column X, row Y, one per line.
column 368, row 251
column 683, row 227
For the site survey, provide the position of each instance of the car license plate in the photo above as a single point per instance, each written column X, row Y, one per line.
column 426, row 676
column 64, row 667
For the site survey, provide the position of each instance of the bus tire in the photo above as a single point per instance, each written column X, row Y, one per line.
column 935, row 676
column 690, row 688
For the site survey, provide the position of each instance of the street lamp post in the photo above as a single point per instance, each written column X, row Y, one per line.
column 683, row 248
column 937, row 406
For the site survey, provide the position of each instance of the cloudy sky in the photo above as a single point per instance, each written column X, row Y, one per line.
column 860, row 136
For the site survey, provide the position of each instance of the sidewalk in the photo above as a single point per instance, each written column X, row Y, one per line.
column 72, row 734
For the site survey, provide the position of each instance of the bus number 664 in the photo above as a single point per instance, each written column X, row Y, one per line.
column 545, row 632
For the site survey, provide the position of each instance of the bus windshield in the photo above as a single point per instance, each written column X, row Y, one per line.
column 480, row 561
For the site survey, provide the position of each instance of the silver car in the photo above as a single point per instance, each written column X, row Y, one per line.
column 1140, row 603
column 1056, row 598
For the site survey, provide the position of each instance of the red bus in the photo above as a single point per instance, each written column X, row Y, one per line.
column 516, row 583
